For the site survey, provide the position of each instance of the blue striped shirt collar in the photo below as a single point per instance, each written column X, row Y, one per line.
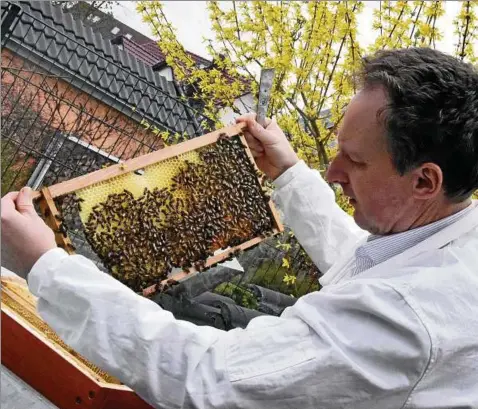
column 378, row 249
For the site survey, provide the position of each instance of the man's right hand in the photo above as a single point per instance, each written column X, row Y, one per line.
column 269, row 146
column 25, row 236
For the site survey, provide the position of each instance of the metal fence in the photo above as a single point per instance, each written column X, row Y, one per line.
column 72, row 105
column 57, row 89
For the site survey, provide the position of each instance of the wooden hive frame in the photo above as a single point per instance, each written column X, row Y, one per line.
column 49, row 210
column 47, row 367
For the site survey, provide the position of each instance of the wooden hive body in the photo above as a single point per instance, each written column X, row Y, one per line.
column 32, row 351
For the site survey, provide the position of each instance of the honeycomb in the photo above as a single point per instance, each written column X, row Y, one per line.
column 158, row 176
column 17, row 298
column 176, row 214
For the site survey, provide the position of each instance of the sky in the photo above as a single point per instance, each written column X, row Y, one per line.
column 190, row 18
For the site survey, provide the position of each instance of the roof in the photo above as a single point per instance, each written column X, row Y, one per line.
column 135, row 43
column 47, row 36
column 101, row 22
column 119, row 33
column 198, row 59
column 152, row 48
column 151, row 54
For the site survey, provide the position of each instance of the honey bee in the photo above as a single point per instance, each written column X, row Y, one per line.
column 237, row 252
column 223, row 136
column 62, row 229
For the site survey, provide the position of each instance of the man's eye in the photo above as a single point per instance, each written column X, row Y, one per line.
column 355, row 162
column 349, row 158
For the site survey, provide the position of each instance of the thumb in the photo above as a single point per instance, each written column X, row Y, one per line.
column 272, row 125
column 24, row 203
column 260, row 133
column 253, row 127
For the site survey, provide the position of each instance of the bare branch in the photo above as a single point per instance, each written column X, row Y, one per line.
column 237, row 21
column 414, row 26
column 329, row 48
column 465, row 34
column 396, row 23
column 301, row 80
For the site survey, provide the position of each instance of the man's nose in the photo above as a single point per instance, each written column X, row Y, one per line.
column 336, row 173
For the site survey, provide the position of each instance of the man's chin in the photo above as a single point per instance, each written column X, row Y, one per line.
column 364, row 224
column 360, row 220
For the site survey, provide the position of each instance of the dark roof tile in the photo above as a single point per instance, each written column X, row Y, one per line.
column 58, row 42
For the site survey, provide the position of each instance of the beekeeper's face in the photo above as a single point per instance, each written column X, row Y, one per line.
column 383, row 200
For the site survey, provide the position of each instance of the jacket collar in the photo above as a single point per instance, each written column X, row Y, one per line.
column 382, row 248
column 450, row 233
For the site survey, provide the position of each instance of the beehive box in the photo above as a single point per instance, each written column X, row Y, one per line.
column 32, row 350
column 189, row 207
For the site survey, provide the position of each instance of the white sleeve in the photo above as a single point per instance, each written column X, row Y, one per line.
column 323, row 229
column 361, row 347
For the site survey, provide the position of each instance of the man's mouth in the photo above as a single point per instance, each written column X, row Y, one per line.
column 351, row 199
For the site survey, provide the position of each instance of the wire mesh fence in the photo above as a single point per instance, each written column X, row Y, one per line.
column 72, row 104
column 47, row 83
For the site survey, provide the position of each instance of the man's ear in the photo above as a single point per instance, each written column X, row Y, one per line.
column 427, row 181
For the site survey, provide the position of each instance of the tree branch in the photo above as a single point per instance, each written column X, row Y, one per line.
column 236, row 53
column 415, row 22
column 323, row 93
column 327, row 53
column 237, row 21
column 314, row 130
column 465, row 34
column 396, row 23
column 433, row 36
column 301, row 80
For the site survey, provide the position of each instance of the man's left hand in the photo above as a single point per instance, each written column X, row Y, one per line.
column 25, row 236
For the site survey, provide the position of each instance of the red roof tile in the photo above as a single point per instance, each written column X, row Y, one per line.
column 145, row 54
column 151, row 54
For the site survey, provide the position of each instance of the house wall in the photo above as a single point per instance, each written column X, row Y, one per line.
column 52, row 103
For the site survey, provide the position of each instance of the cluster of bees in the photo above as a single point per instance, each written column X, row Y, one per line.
column 69, row 221
column 211, row 205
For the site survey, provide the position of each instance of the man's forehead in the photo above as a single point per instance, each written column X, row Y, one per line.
column 361, row 118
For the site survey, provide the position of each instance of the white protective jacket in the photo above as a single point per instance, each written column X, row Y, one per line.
column 403, row 334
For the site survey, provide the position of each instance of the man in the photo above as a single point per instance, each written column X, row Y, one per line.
column 396, row 323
